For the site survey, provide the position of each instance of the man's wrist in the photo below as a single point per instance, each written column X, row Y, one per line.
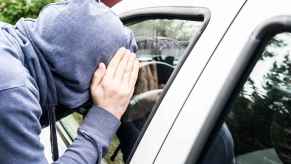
column 101, row 123
column 116, row 112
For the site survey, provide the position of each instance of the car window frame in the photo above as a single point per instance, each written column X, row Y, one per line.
column 240, row 72
column 202, row 14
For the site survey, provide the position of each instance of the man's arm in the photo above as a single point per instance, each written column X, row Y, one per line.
column 111, row 90
column 20, row 129
column 20, row 112
column 93, row 138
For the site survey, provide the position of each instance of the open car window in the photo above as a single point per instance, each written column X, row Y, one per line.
column 164, row 42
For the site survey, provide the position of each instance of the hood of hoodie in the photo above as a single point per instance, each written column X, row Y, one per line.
column 73, row 37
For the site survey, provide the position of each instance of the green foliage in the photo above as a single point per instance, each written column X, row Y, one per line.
column 13, row 10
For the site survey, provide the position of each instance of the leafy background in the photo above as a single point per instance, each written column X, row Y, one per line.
column 12, row 10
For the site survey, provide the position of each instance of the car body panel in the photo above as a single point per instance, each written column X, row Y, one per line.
column 173, row 101
column 192, row 126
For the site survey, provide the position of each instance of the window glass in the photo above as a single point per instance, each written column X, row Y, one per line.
column 162, row 44
column 164, row 39
column 259, row 119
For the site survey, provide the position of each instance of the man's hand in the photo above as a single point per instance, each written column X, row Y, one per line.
column 112, row 89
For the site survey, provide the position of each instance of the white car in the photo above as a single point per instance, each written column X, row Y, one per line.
column 234, row 69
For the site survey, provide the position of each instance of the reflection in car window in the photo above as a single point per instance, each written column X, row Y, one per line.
column 260, row 120
column 162, row 43
column 161, row 39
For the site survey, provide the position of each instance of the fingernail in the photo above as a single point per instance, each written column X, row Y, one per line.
column 101, row 65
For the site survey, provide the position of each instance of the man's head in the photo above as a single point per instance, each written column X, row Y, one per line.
column 74, row 36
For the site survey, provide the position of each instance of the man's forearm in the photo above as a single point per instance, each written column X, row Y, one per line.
column 94, row 136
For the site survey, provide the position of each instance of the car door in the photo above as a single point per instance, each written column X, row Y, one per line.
column 176, row 40
column 246, row 85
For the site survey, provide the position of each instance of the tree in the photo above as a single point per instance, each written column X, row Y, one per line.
column 13, row 10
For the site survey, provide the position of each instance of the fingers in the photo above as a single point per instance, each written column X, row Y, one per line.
column 123, row 66
column 113, row 65
column 98, row 75
column 129, row 68
column 123, row 70
column 134, row 75
column 113, row 92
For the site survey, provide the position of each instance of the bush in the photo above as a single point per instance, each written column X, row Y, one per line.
column 13, row 10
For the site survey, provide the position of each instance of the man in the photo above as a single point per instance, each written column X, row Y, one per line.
column 51, row 61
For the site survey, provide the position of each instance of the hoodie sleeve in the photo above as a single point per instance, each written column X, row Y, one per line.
column 20, row 129
column 94, row 136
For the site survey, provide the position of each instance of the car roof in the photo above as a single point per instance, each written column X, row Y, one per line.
column 128, row 5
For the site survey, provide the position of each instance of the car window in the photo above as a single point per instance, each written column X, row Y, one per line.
column 259, row 117
column 162, row 45
column 163, row 39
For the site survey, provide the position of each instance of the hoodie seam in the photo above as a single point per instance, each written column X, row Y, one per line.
column 10, row 87
column 20, row 85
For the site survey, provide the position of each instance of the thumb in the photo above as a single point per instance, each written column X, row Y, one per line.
column 99, row 74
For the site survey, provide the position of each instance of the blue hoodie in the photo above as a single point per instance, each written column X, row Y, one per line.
column 50, row 61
